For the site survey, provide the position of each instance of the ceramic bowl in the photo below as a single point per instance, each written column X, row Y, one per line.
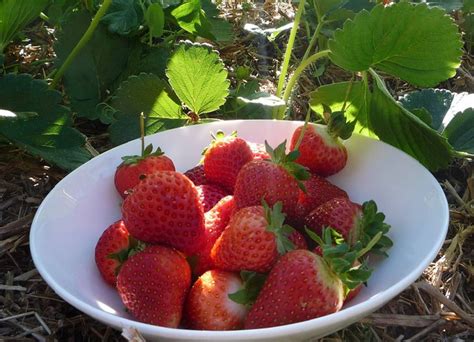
column 75, row 213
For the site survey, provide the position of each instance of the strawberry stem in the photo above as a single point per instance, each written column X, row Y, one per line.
column 303, row 130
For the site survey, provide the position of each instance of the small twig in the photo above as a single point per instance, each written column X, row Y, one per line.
column 12, row 288
column 15, row 227
column 401, row 320
column 426, row 331
column 27, row 275
column 434, row 292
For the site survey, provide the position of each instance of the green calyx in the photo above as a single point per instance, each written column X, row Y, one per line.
column 253, row 283
column 147, row 152
column 369, row 225
column 134, row 246
column 342, row 258
column 287, row 161
column 275, row 219
column 216, row 137
column 338, row 126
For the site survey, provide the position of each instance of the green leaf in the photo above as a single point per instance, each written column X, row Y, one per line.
column 192, row 19
column 253, row 283
column 440, row 104
column 198, row 77
column 460, row 131
column 59, row 10
column 357, row 106
column 149, row 94
column 448, row 5
column 418, row 44
column 221, row 30
column 155, row 19
column 123, row 16
column 15, row 15
column 167, row 3
column 48, row 134
column 404, row 130
column 96, row 67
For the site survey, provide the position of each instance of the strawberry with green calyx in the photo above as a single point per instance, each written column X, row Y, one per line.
column 353, row 221
column 303, row 285
column 253, row 239
column 114, row 247
column 259, row 151
column 208, row 306
column 273, row 180
column 253, row 283
column 224, row 158
column 153, row 285
column 320, row 147
column 135, row 168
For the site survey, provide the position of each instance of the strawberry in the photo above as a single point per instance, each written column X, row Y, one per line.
column 320, row 147
column 273, row 180
column 113, row 248
column 298, row 240
column 208, row 306
column 153, row 285
column 258, row 150
column 197, row 175
column 253, row 240
column 209, row 195
column 134, row 168
column 165, row 208
column 303, row 285
column 318, row 191
column 224, row 158
column 216, row 221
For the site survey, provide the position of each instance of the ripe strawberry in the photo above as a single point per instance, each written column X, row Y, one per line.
column 299, row 287
column 165, row 208
column 318, row 191
column 274, row 180
column 113, row 248
column 134, row 168
column 224, row 158
column 259, row 151
column 298, row 240
column 197, row 175
column 209, row 195
column 153, row 285
column 339, row 213
column 253, row 240
column 321, row 151
column 208, row 306
column 216, row 221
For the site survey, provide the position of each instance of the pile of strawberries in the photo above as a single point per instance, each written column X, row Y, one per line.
column 252, row 237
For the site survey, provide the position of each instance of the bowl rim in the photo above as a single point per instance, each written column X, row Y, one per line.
column 337, row 318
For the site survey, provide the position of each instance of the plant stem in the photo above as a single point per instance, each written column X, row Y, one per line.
column 289, row 48
column 313, row 40
column 82, row 42
column 303, row 130
column 142, row 131
column 299, row 70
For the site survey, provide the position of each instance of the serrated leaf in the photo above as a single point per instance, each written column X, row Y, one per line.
column 192, row 19
column 48, row 134
column 149, row 94
column 198, row 77
column 416, row 43
column 123, row 16
column 441, row 104
column 15, row 15
column 155, row 19
column 401, row 128
column 357, row 106
column 97, row 66
column 448, row 5
column 460, row 131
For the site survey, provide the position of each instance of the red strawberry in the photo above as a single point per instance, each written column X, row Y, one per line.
column 197, row 175
column 299, row 287
column 165, row 208
column 135, row 168
column 112, row 250
column 318, row 191
column 339, row 213
column 209, row 195
column 253, row 239
column 259, row 151
column 298, row 240
column 224, row 158
column 274, row 180
column 216, row 221
column 321, row 152
column 153, row 285
column 208, row 306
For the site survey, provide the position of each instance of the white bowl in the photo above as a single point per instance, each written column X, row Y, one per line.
column 75, row 213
